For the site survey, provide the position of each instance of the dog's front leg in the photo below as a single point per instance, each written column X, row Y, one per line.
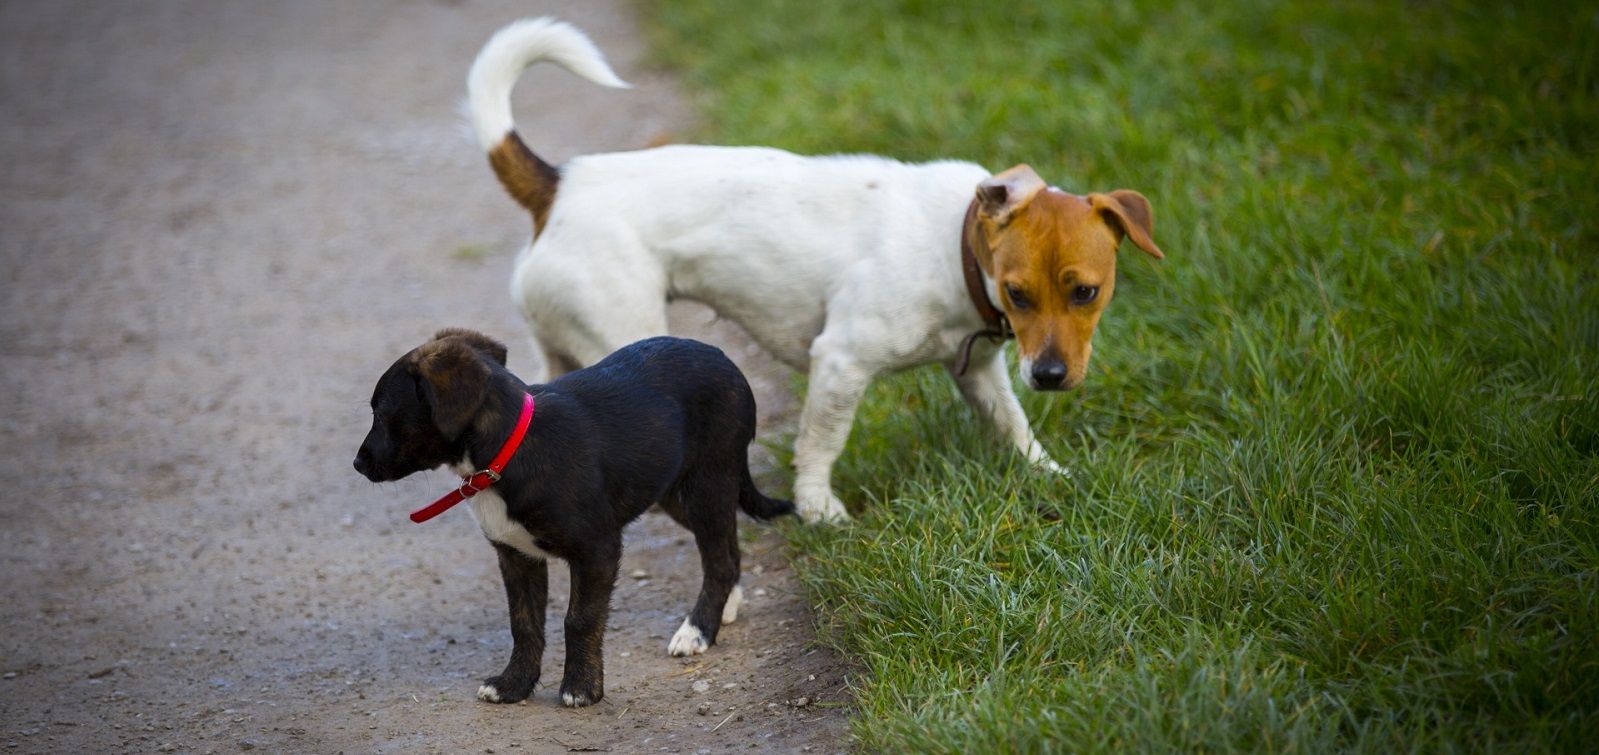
column 527, row 587
column 986, row 387
column 836, row 385
column 593, row 577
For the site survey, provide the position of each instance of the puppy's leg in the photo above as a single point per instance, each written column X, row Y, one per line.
column 986, row 386
column 527, row 591
column 836, row 384
column 713, row 519
column 593, row 577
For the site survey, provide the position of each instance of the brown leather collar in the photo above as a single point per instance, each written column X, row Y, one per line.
column 998, row 330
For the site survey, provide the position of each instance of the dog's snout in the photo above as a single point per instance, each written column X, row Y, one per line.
column 1049, row 374
column 363, row 461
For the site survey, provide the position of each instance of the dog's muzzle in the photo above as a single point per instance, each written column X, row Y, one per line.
column 363, row 465
column 1049, row 375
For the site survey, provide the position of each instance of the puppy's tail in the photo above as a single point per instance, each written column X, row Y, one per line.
column 756, row 504
column 527, row 178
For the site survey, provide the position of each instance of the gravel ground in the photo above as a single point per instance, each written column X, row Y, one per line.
column 221, row 220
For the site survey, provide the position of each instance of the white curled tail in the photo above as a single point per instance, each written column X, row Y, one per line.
column 509, row 52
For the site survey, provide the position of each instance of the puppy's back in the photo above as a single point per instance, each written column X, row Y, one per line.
column 665, row 379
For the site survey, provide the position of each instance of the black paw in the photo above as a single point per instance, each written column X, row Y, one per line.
column 578, row 693
column 506, row 688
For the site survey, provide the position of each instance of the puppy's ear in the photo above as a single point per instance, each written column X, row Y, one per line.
column 455, row 382
column 1002, row 195
column 491, row 348
column 1129, row 214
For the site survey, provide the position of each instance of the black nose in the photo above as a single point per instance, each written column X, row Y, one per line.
column 1049, row 374
column 361, row 464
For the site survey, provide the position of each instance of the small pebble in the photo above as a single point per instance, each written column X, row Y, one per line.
column 702, row 686
column 639, row 574
column 760, row 592
column 704, row 709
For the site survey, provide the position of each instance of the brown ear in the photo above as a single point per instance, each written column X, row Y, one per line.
column 1130, row 215
column 455, row 381
column 1003, row 194
column 491, row 348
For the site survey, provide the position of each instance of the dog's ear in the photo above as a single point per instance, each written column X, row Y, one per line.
column 1002, row 195
column 491, row 348
column 455, row 382
column 1130, row 215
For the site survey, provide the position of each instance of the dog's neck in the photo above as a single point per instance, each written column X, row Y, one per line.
column 981, row 288
column 980, row 285
column 493, row 424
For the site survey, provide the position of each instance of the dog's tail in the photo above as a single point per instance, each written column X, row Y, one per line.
column 757, row 504
column 527, row 178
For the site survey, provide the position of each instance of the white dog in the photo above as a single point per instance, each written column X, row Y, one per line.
column 848, row 267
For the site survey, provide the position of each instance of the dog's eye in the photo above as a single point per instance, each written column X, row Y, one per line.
column 1084, row 294
column 1017, row 298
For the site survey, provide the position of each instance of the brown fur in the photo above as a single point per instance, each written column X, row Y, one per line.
column 454, row 376
column 490, row 347
column 526, row 177
column 1046, row 243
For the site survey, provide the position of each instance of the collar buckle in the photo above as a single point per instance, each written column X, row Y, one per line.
column 469, row 489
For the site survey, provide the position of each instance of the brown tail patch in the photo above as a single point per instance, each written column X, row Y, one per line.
column 527, row 178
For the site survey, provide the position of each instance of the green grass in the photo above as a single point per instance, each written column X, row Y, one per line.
column 1337, row 460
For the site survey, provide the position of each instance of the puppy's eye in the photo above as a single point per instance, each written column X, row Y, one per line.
column 1084, row 294
column 1018, row 299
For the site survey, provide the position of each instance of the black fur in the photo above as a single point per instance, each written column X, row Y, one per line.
column 663, row 421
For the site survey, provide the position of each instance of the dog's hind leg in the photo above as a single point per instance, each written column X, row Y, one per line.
column 708, row 507
column 579, row 317
column 553, row 365
column 527, row 591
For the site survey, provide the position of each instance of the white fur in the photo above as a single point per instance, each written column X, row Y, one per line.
column 573, row 701
column 730, row 608
column 688, row 640
column 487, row 693
column 488, row 508
column 846, row 267
column 513, row 49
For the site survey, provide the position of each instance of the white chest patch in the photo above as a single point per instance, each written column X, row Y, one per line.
column 488, row 508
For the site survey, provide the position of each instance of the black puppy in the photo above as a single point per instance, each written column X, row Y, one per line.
column 663, row 421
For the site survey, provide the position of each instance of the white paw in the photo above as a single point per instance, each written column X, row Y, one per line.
column 575, row 701
column 820, row 508
column 730, row 608
column 487, row 693
column 1048, row 465
column 689, row 640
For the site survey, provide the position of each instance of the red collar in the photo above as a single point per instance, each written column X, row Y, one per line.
column 480, row 481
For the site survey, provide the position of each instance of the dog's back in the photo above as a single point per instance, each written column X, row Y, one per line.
column 674, row 401
column 665, row 379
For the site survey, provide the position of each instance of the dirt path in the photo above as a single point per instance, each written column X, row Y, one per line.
column 219, row 221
